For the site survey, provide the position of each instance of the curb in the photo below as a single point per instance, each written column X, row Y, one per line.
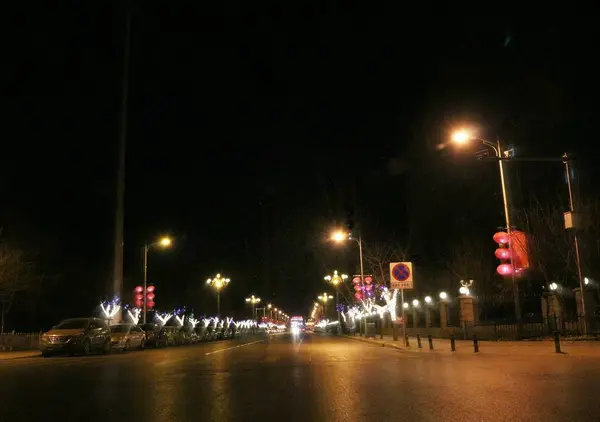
column 21, row 357
column 376, row 343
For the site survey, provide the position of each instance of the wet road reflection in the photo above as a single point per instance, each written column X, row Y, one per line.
column 317, row 378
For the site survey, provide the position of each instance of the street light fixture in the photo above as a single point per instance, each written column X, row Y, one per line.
column 253, row 300
column 462, row 137
column 218, row 283
column 340, row 236
column 325, row 298
column 443, row 295
column 336, row 279
column 163, row 242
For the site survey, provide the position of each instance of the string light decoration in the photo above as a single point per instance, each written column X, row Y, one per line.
column 134, row 315
column 179, row 319
column 110, row 309
column 193, row 321
column 390, row 297
column 163, row 317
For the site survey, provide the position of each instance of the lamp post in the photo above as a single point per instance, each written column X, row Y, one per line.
column 269, row 306
column 164, row 242
column 340, row 236
column 336, row 279
column 253, row 300
column 462, row 138
column 325, row 298
column 218, row 283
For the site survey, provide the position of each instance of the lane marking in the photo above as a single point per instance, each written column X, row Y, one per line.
column 232, row 347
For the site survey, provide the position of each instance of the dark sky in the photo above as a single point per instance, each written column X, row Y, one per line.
column 251, row 133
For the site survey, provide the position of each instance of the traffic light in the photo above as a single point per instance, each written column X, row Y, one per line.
column 513, row 252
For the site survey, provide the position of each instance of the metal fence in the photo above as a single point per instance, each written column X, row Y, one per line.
column 19, row 341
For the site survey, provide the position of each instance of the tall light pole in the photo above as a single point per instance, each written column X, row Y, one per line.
column 164, row 242
column 325, row 298
column 253, row 300
column 336, row 279
column 218, row 283
column 269, row 306
column 340, row 236
column 566, row 160
column 462, row 138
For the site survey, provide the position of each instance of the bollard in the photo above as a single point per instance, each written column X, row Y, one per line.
column 556, row 342
column 430, row 339
column 419, row 341
column 452, row 344
column 475, row 344
column 406, row 340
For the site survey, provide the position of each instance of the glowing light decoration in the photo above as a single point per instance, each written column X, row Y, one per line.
column 134, row 315
column 110, row 309
column 390, row 297
column 164, row 317
column 193, row 321
column 179, row 320
column 465, row 287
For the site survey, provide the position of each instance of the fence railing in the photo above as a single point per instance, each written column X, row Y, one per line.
column 19, row 341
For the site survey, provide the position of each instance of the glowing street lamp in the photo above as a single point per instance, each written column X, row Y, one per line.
column 464, row 136
column 336, row 279
column 218, row 283
column 253, row 300
column 340, row 236
column 443, row 295
column 325, row 298
column 164, row 242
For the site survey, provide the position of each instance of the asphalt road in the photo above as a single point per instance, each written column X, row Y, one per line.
column 318, row 378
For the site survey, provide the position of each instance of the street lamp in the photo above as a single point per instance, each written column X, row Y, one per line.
column 218, row 283
column 253, row 300
column 463, row 137
column 340, row 236
column 336, row 279
column 325, row 298
column 269, row 306
column 163, row 242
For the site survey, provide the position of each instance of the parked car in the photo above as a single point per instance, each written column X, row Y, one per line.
column 127, row 336
column 155, row 335
column 77, row 335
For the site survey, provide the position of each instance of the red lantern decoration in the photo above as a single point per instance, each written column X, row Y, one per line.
column 150, row 296
column 150, row 289
column 356, row 280
column 139, row 289
column 502, row 253
column 357, row 287
column 358, row 296
column 138, row 303
column 150, row 304
column 520, row 246
column 139, row 296
column 369, row 287
column 501, row 238
column 368, row 279
column 505, row 269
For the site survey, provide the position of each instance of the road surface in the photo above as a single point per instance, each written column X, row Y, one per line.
column 318, row 378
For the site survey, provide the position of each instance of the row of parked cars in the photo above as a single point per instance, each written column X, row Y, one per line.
column 92, row 335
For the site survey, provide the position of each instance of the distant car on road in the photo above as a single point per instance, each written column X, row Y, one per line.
column 77, row 335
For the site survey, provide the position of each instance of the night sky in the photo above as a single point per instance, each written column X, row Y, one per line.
column 252, row 133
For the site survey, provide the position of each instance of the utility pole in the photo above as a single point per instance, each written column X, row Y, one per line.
column 120, row 199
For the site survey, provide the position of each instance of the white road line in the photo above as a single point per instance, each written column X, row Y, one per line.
column 233, row 347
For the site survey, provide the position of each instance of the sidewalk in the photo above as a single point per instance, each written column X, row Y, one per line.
column 529, row 348
column 19, row 354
